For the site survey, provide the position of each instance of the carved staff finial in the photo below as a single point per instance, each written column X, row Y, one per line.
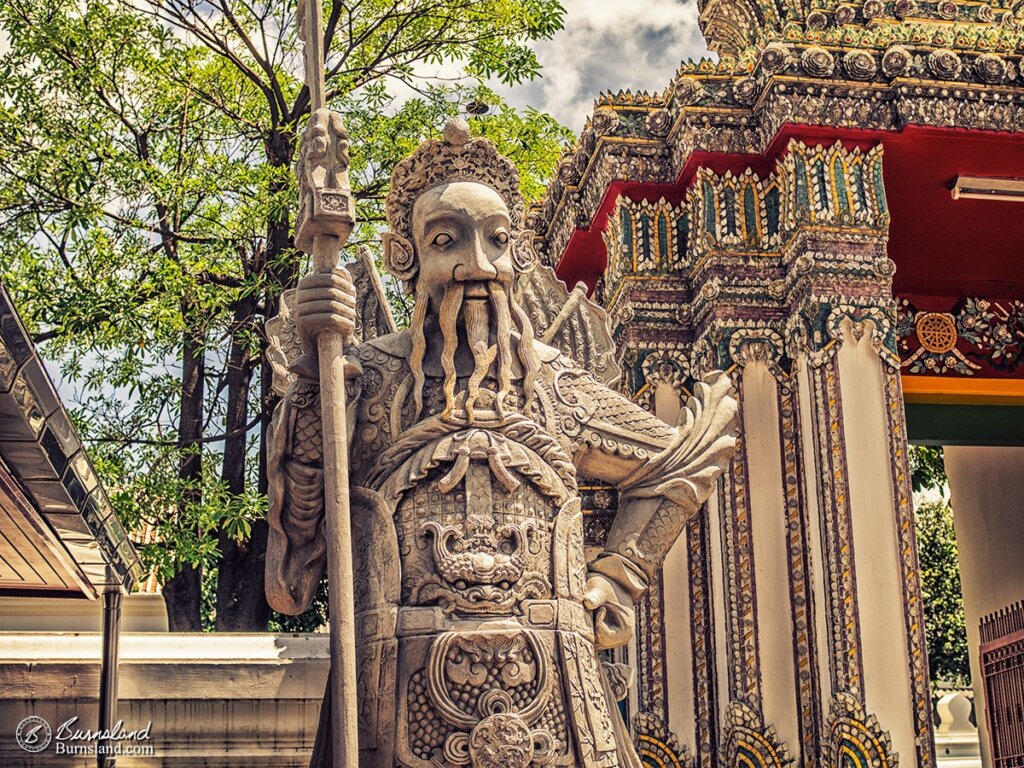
column 325, row 197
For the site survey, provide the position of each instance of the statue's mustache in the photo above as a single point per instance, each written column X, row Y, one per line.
column 488, row 314
column 476, row 315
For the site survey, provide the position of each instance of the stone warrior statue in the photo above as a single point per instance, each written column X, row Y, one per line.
column 479, row 618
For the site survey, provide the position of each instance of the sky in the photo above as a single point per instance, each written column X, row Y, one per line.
column 609, row 45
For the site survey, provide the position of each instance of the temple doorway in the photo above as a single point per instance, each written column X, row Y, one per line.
column 983, row 452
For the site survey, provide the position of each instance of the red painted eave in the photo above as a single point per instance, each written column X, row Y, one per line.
column 941, row 246
column 946, row 247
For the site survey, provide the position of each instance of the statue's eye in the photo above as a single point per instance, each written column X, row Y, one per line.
column 501, row 237
column 442, row 239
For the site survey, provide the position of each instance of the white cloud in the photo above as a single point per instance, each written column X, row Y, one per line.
column 609, row 45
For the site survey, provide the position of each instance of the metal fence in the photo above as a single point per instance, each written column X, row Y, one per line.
column 1002, row 668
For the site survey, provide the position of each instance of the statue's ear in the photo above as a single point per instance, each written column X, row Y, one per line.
column 399, row 256
column 524, row 258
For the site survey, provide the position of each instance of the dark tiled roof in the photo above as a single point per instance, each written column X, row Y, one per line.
column 43, row 450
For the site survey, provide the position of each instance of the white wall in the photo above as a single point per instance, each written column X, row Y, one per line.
column 228, row 700
column 879, row 574
column 987, row 490
column 139, row 613
column 771, row 562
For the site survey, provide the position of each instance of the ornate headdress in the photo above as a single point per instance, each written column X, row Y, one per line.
column 456, row 157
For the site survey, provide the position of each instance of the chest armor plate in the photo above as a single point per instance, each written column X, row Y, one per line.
column 477, row 519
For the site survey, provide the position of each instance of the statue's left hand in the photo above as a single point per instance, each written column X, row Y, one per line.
column 614, row 616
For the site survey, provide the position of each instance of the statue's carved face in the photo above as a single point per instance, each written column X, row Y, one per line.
column 461, row 233
column 460, row 265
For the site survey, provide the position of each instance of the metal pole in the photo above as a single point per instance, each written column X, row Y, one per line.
column 108, row 673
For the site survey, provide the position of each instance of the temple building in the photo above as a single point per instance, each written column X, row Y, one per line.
column 832, row 212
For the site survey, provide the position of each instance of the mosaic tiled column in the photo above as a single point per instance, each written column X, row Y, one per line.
column 784, row 282
column 798, row 551
column 761, row 719
column 651, row 697
column 656, row 377
column 663, row 392
column 780, row 709
column 868, row 593
column 841, row 335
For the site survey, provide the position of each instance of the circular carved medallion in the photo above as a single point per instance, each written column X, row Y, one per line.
column 936, row 332
column 817, row 61
column 501, row 741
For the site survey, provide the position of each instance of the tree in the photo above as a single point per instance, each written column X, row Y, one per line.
column 945, row 627
column 944, row 624
column 146, row 204
column 927, row 468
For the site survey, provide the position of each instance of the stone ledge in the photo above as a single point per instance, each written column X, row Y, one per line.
column 219, row 700
column 166, row 666
column 163, row 646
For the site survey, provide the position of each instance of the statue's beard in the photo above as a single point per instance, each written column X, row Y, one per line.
column 497, row 312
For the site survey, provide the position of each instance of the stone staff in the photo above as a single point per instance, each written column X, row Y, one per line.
column 325, row 221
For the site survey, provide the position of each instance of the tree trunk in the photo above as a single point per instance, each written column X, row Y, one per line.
column 182, row 597
column 241, row 600
column 182, row 593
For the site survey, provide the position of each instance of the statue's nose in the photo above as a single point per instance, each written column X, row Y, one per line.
column 476, row 266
